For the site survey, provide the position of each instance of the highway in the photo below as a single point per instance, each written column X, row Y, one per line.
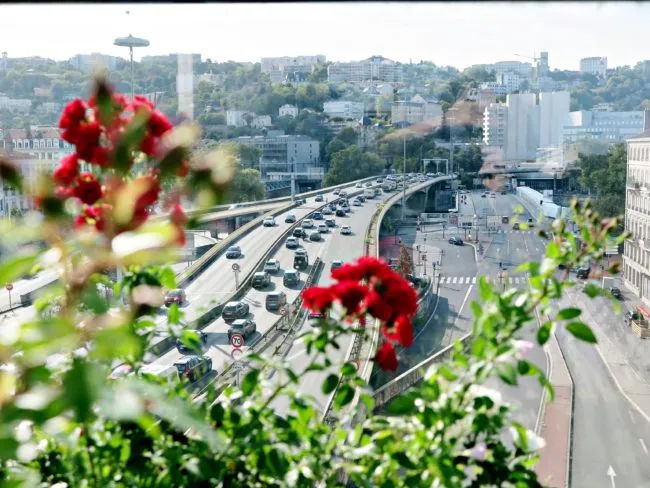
column 20, row 287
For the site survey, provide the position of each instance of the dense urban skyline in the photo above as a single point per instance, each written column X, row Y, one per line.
column 492, row 32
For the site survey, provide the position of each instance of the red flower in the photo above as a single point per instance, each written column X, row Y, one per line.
column 148, row 145
column 378, row 307
column 86, row 138
column 97, row 216
column 401, row 331
column 386, row 357
column 158, row 124
column 183, row 169
column 150, row 196
column 140, row 216
column 179, row 240
column 73, row 113
column 140, row 102
column 88, row 189
column 101, row 157
column 67, row 171
column 351, row 295
column 317, row 298
column 178, row 217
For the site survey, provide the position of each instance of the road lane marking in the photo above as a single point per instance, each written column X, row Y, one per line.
column 454, row 280
column 645, row 449
column 460, row 310
column 631, row 416
column 474, row 280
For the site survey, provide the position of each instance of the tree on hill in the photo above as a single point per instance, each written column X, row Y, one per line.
column 352, row 164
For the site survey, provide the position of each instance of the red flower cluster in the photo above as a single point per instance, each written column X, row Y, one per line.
column 95, row 131
column 369, row 286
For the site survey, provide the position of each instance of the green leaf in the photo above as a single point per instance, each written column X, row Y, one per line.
column 552, row 250
column 344, row 395
column 569, row 313
column 581, row 331
column 523, row 367
column 544, row 333
column 543, row 380
column 329, row 384
column 174, row 314
column 368, row 401
column 15, row 268
column 348, row 369
column 249, row 382
column 402, row 405
column 507, row 373
column 592, row 290
column 484, row 289
column 168, row 278
column 403, row 460
column 81, row 384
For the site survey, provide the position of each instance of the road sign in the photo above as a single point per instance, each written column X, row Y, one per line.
column 237, row 365
column 9, row 286
column 453, row 219
column 284, row 310
column 235, row 267
column 237, row 340
column 236, row 353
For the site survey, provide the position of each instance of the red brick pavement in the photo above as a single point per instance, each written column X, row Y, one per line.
column 556, row 430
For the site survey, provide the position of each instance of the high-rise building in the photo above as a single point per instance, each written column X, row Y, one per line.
column 185, row 85
column 375, row 68
column 603, row 126
column 553, row 116
column 594, row 65
column 543, row 68
column 494, row 125
column 522, row 127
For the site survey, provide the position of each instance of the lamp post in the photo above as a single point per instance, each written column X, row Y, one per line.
column 404, row 178
column 131, row 42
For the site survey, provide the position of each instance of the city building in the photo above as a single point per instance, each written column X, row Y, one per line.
column 522, row 127
column 432, row 109
column 553, row 116
column 236, row 118
column 603, row 107
column 485, row 98
column 290, row 69
column 93, row 61
column 288, row 110
column 261, row 121
column 511, row 80
column 344, row 109
column 494, row 125
column 594, row 65
column 168, row 58
column 185, row 85
column 287, row 154
column 374, row 68
column 543, row 68
column 15, row 104
column 519, row 67
column 636, row 254
column 497, row 88
column 603, row 126
column 415, row 111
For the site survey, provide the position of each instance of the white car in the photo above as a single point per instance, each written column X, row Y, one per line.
column 308, row 224
column 272, row 266
column 358, row 185
column 346, row 230
column 327, row 211
column 322, row 228
column 356, row 202
column 270, row 222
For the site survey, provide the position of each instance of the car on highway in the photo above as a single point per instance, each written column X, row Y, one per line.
column 330, row 222
column 368, row 184
column 300, row 201
column 307, row 224
column 261, row 279
column 298, row 232
column 346, row 230
column 327, row 211
column 233, row 206
column 319, row 198
column 358, row 185
column 616, row 292
column 505, row 220
column 235, row 310
column 503, row 192
column 583, row 272
column 290, row 219
column 340, row 212
column 291, row 277
column 484, row 195
column 315, row 319
column 515, row 226
column 276, row 300
column 361, row 198
column 337, row 192
column 314, row 236
column 175, row 296
column 233, row 252
column 456, row 241
column 292, row 243
column 345, row 207
column 270, row 222
column 193, row 368
column 185, row 349
column 272, row 266
column 343, row 193
column 317, row 216
column 243, row 327
column 323, row 229
column 336, row 264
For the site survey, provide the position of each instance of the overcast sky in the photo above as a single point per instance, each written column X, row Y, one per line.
column 458, row 34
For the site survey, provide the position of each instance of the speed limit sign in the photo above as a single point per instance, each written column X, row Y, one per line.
column 237, row 340
column 235, row 267
column 9, row 286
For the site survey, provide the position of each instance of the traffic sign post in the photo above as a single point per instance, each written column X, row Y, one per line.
column 236, row 268
column 236, row 354
column 237, row 340
column 9, row 287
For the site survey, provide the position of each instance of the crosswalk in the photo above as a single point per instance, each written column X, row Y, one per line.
column 510, row 231
column 472, row 280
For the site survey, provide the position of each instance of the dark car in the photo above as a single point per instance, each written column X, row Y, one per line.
column 184, row 349
column 299, row 232
column 319, row 198
column 632, row 315
column 616, row 293
column 235, row 310
column 233, row 252
column 261, row 279
column 245, row 327
column 515, row 226
column 340, row 212
column 414, row 279
column 175, row 296
column 315, row 319
column 361, row 198
column 456, row 241
column 276, row 300
column 300, row 261
column 531, row 223
column 290, row 219
column 583, row 272
column 291, row 277
column 330, row 223
column 193, row 368
column 505, row 220
column 317, row 216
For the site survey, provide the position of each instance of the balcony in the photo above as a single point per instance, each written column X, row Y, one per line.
column 634, row 184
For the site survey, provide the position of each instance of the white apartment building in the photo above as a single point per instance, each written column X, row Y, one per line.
column 497, row 88
column 90, row 62
column 262, row 121
column 594, row 65
column 407, row 112
column 636, row 254
column 280, row 63
column 15, row 104
column 185, row 85
column 553, row 116
column 344, row 109
column 522, row 127
column 432, row 109
column 607, row 127
column 288, row 110
column 374, row 68
column 494, row 125
column 235, row 118
column 519, row 67
column 511, row 80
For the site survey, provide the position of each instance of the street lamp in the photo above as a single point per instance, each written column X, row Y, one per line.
column 404, row 178
column 131, row 42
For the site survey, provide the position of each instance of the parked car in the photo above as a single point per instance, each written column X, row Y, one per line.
column 336, row 264
column 319, row 198
column 270, row 222
column 583, row 272
column 314, row 236
column 346, row 230
column 307, row 224
column 340, row 212
column 616, row 293
column 632, row 315
column 184, row 349
column 276, row 300
column 330, row 222
column 244, row 327
column 272, row 266
column 261, row 279
column 233, row 252
column 291, row 277
column 290, row 219
column 515, row 226
column 317, row 216
column 193, row 368
column 322, row 228
column 235, row 310
column 292, row 243
column 298, row 232
column 175, row 296
column 456, row 241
